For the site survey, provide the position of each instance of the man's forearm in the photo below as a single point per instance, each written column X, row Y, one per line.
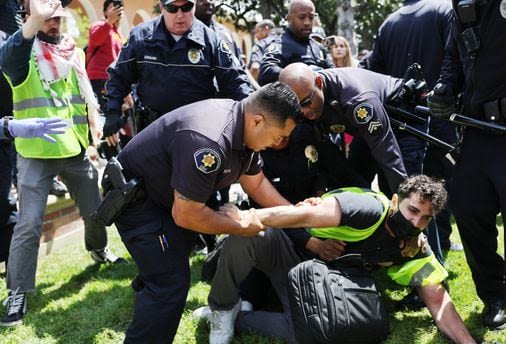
column 285, row 216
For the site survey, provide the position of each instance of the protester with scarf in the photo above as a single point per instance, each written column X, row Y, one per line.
column 48, row 79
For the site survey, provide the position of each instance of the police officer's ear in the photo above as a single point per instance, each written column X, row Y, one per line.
column 257, row 120
column 318, row 81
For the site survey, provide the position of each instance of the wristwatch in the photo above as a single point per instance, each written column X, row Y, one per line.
column 5, row 126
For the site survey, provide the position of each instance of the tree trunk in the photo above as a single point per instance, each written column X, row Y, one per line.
column 346, row 23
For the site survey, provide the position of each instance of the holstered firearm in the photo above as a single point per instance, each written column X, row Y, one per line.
column 118, row 193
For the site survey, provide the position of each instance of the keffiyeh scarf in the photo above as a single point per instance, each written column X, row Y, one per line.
column 56, row 61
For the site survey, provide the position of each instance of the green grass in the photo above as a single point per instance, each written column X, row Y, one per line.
column 79, row 302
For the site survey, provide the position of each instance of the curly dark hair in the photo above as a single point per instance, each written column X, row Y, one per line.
column 429, row 189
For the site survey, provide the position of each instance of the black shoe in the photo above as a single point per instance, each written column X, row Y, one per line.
column 493, row 315
column 106, row 256
column 58, row 188
column 137, row 283
column 16, row 309
column 412, row 301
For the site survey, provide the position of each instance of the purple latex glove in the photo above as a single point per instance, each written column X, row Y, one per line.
column 37, row 127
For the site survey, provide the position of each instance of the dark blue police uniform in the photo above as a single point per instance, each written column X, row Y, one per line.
column 417, row 33
column 257, row 52
column 171, row 74
column 289, row 49
column 479, row 182
column 195, row 156
column 360, row 95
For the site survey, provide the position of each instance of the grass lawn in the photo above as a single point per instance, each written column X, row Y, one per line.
column 79, row 302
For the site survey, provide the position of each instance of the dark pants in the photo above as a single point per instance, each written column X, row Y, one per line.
column 8, row 209
column 437, row 165
column 164, row 270
column 478, row 194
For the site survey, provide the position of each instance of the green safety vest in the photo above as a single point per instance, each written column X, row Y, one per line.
column 31, row 100
column 347, row 233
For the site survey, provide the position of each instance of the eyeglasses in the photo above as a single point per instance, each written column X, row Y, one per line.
column 174, row 9
column 306, row 102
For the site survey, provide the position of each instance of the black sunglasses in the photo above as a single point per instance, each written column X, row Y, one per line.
column 306, row 102
column 173, row 8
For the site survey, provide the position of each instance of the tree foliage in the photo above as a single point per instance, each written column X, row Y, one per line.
column 369, row 14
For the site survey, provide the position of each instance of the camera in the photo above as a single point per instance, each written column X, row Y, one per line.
column 117, row 3
column 330, row 41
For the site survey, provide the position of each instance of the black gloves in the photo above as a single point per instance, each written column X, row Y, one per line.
column 441, row 101
column 113, row 123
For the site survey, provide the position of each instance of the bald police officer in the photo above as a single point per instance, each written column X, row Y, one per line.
column 189, row 158
column 294, row 45
column 350, row 100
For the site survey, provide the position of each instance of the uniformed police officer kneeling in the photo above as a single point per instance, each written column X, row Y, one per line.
column 182, row 158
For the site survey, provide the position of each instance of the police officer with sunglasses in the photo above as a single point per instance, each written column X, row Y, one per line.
column 174, row 59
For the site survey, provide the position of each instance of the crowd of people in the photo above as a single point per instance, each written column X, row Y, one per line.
column 301, row 124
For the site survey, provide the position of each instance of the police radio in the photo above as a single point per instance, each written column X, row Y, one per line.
column 467, row 11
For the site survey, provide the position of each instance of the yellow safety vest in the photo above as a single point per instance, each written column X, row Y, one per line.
column 31, row 100
column 348, row 233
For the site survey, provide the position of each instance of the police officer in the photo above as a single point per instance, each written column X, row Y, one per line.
column 370, row 223
column 294, row 44
column 474, row 65
column 174, row 58
column 417, row 33
column 264, row 34
column 350, row 100
column 190, row 157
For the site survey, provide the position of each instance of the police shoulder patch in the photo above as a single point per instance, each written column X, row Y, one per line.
column 502, row 8
column 225, row 47
column 207, row 160
column 363, row 113
column 273, row 48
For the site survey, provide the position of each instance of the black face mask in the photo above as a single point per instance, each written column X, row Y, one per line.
column 48, row 39
column 402, row 228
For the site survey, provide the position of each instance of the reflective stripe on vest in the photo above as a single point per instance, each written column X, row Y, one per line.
column 30, row 100
column 44, row 102
column 418, row 272
column 348, row 233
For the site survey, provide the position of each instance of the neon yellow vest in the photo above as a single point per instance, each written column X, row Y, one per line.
column 348, row 233
column 31, row 100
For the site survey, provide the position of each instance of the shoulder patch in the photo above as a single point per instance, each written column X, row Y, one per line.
column 207, row 160
column 273, row 48
column 363, row 113
column 194, row 55
column 225, row 47
column 502, row 8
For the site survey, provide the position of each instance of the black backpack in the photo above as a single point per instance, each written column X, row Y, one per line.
column 335, row 303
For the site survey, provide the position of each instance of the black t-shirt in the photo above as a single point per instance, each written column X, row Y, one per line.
column 361, row 211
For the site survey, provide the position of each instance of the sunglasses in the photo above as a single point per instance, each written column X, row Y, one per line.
column 306, row 102
column 174, row 9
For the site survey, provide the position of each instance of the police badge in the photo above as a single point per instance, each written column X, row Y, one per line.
column 362, row 113
column 311, row 154
column 194, row 55
column 207, row 160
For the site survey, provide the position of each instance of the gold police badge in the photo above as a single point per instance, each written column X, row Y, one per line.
column 311, row 153
column 363, row 113
column 194, row 55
